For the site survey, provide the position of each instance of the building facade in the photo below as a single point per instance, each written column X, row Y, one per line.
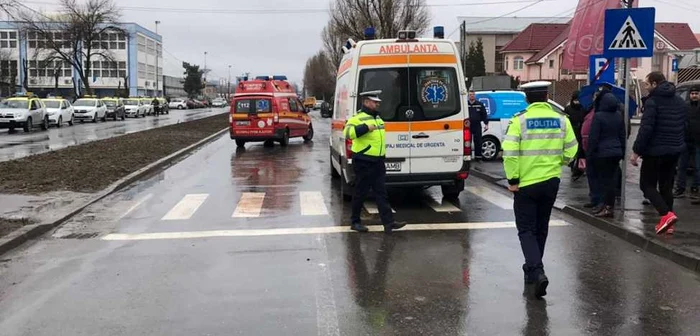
column 174, row 87
column 137, row 62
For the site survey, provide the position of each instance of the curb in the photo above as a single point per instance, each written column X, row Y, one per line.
column 27, row 232
column 647, row 244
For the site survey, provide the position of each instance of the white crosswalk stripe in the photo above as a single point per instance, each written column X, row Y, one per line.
column 372, row 208
column 312, row 204
column 186, row 207
column 250, row 205
column 495, row 198
column 443, row 207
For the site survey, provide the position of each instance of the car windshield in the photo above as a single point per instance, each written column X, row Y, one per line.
column 110, row 103
column 131, row 102
column 52, row 103
column 432, row 93
column 85, row 102
column 14, row 104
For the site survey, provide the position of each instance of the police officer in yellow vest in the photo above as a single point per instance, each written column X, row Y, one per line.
column 539, row 141
column 366, row 129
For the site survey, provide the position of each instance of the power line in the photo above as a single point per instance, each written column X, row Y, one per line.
column 498, row 17
column 678, row 6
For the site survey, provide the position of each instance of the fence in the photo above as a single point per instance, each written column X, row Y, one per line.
column 562, row 90
column 688, row 74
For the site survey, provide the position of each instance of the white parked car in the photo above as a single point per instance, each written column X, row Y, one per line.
column 318, row 104
column 219, row 102
column 25, row 112
column 147, row 102
column 134, row 107
column 178, row 103
column 60, row 111
column 90, row 109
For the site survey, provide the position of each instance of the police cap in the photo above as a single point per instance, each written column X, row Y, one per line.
column 371, row 95
column 695, row 88
column 536, row 87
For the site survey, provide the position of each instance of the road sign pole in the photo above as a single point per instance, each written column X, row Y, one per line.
column 623, row 197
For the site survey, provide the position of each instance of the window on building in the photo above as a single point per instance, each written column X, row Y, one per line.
column 656, row 62
column 49, row 40
column 151, row 47
column 506, row 64
column 142, row 43
column 108, row 69
column 518, row 63
column 8, row 39
column 49, row 68
column 142, row 70
column 498, row 62
column 551, row 64
column 8, row 69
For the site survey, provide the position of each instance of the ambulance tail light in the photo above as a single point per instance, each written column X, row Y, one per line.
column 462, row 175
column 467, row 139
column 348, row 148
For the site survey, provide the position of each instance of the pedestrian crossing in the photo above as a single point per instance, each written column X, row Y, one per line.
column 250, row 205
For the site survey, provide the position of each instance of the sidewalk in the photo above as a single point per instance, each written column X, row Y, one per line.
column 635, row 224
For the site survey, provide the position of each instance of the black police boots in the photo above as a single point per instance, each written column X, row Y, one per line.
column 394, row 226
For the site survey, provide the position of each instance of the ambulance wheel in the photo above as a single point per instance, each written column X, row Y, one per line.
column 451, row 192
column 269, row 143
column 490, row 148
column 285, row 139
column 240, row 143
column 309, row 134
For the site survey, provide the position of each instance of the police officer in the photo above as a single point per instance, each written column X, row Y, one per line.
column 366, row 129
column 477, row 115
column 539, row 141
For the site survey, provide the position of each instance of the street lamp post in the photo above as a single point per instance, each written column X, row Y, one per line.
column 205, row 73
column 157, row 75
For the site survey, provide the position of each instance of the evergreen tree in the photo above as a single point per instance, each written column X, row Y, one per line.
column 193, row 79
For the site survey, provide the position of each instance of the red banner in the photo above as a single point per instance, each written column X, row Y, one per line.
column 586, row 33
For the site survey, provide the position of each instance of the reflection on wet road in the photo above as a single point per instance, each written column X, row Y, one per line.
column 20, row 144
column 255, row 242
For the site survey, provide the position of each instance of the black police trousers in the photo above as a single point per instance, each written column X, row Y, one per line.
column 370, row 175
column 533, row 207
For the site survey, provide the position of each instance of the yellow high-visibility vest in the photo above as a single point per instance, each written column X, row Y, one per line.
column 539, row 141
column 371, row 144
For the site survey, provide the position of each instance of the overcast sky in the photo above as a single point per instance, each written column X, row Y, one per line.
column 261, row 37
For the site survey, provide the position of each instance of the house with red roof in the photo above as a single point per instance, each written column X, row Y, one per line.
column 538, row 51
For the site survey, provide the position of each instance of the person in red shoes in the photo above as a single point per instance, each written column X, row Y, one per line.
column 660, row 141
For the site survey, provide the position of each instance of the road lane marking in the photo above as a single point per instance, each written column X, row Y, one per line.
column 135, row 205
column 445, row 206
column 186, row 207
column 250, row 205
column 311, row 203
column 493, row 197
column 372, row 208
column 312, row 230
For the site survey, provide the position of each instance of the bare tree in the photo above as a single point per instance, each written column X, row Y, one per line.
column 332, row 45
column 319, row 77
column 75, row 35
column 349, row 18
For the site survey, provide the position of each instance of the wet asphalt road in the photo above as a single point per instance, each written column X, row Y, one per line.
column 20, row 144
column 254, row 242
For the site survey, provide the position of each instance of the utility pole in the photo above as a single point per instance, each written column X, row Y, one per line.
column 463, row 45
column 157, row 56
column 626, row 81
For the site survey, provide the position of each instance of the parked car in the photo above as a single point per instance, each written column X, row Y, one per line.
column 25, row 112
column 191, row 104
column 60, row 111
column 147, row 102
column 318, row 104
column 115, row 108
column 326, row 110
column 178, row 103
column 91, row 109
column 310, row 102
column 199, row 104
column 219, row 102
column 134, row 107
column 164, row 106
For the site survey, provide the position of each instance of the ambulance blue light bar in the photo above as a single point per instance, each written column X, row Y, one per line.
column 369, row 33
column 279, row 77
column 262, row 77
column 439, row 32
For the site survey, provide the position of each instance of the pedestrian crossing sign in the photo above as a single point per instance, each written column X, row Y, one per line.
column 629, row 32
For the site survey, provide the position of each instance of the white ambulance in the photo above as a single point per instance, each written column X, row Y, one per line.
column 424, row 106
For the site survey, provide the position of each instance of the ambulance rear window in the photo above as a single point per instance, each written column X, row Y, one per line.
column 431, row 93
column 253, row 106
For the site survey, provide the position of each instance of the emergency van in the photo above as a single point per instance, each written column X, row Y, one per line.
column 267, row 109
column 501, row 106
column 424, row 107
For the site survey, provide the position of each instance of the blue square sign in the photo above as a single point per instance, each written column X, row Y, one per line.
column 596, row 68
column 629, row 32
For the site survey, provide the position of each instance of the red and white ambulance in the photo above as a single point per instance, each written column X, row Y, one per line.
column 424, row 107
column 267, row 109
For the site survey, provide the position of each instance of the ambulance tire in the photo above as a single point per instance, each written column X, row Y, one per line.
column 269, row 143
column 451, row 192
column 240, row 143
column 285, row 139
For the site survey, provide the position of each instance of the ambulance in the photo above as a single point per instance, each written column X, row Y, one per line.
column 424, row 107
column 267, row 109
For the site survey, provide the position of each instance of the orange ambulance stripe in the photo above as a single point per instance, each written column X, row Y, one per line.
column 406, row 58
column 420, row 126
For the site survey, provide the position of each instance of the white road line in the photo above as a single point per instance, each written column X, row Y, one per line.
column 311, row 203
column 312, row 230
column 250, row 205
column 498, row 199
column 372, row 208
column 135, row 205
column 186, row 207
column 445, row 206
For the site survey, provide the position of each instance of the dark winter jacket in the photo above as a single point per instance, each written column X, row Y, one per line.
column 694, row 123
column 607, row 136
column 477, row 112
column 576, row 113
column 662, row 130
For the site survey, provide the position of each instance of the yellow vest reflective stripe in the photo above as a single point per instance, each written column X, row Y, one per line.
column 538, row 142
column 372, row 144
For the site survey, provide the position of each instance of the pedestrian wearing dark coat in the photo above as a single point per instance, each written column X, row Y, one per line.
column 576, row 113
